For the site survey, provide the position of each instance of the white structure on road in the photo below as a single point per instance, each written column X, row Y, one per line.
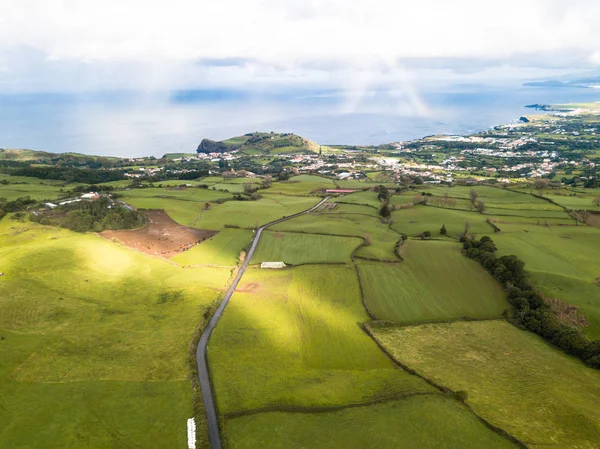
column 272, row 265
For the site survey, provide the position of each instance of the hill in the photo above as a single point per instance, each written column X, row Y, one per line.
column 253, row 143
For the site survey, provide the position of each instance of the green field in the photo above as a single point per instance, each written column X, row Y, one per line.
column 185, row 206
column 430, row 421
column 96, row 340
column 37, row 189
column 302, row 185
column 251, row 214
column 563, row 262
column 512, row 377
column 221, row 249
column 435, row 282
column 290, row 341
column 295, row 249
column 367, row 198
column 419, row 219
column 380, row 239
column 291, row 338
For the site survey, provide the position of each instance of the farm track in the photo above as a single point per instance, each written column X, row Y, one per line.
column 201, row 350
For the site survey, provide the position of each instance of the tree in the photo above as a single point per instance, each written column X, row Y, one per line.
column 473, row 195
column 249, row 188
column 425, row 235
column 480, row 206
column 267, row 181
column 596, row 201
column 385, row 211
column 541, row 184
column 443, row 230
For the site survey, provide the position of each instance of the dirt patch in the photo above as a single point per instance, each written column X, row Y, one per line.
column 248, row 288
column 161, row 236
column 176, row 188
column 277, row 235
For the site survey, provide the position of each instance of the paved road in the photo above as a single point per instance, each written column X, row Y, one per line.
column 201, row 362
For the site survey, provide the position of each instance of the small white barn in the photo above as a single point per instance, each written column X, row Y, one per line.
column 274, row 265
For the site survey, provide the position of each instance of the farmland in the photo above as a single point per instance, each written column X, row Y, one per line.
column 298, row 249
column 379, row 238
column 419, row 219
column 289, row 345
column 379, row 332
column 563, row 262
column 95, row 341
column 418, row 421
column 221, row 249
column 513, row 378
column 435, row 282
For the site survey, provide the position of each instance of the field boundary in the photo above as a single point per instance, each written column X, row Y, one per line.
column 324, row 409
column 445, row 390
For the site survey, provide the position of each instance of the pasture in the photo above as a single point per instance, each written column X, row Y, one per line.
column 252, row 214
column 37, row 189
column 96, row 340
column 513, row 378
column 296, row 249
column 419, row 219
column 290, row 338
column 379, row 238
column 563, row 262
column 430, row 421
column 434, row 283
column 187, row 207
column 221, row 249
column 301, row 185
column 366, row 198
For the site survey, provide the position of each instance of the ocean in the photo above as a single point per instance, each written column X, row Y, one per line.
column 133, row 124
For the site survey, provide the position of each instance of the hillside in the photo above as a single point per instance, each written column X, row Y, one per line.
column 253, row 143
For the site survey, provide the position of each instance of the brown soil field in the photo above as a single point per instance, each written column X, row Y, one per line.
column 161, row 236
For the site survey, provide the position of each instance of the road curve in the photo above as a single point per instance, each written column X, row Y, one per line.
column 201, row 361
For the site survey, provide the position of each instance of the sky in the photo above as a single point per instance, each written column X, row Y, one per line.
column 271, row 45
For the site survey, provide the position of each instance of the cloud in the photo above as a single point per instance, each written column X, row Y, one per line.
column 265, row 44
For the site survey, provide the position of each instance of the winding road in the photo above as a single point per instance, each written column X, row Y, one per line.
column 201, row 361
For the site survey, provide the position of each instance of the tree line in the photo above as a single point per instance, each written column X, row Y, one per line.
column 532, row 311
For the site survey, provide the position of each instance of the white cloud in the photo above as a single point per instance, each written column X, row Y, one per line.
column 83, row 44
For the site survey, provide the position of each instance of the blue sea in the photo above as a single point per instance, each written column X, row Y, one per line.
column 154, row 123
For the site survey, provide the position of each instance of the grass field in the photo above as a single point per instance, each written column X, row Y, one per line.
column 382, row 240
column 298, row 249
column 431, row 421
column 221, row 249
column 435, row 282
column 512, row 377
column 302, row 185
column 35, row 188
column 188, row 194
column 96, row 340
column 367, row 198
column 418, row 219
column 251, row 214
column 291, row 338
column 563, row 261
column 244, row 214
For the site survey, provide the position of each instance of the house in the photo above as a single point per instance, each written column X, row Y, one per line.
column 50, row 205
column 90, row 196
